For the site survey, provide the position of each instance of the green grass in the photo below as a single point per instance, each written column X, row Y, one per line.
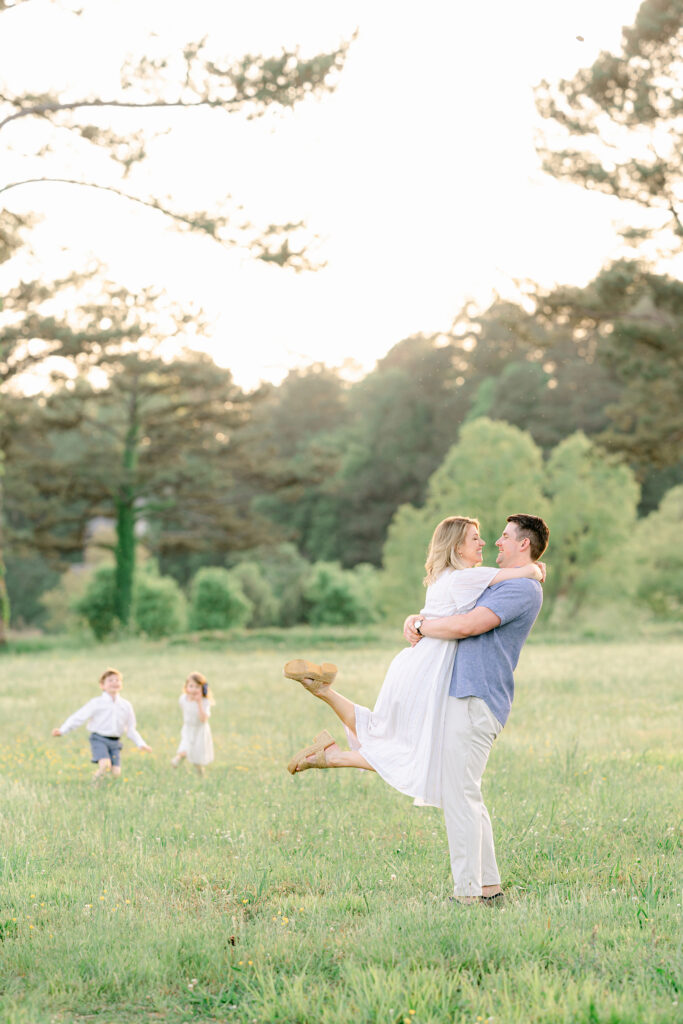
column 256, row 897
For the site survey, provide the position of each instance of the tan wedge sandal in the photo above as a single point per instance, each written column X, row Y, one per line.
column 300, row 762
column 311, row 676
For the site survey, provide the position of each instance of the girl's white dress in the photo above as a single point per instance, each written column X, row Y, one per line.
column 403, row 737
column 196, row 741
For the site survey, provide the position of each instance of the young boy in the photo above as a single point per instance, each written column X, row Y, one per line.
column 109, row 717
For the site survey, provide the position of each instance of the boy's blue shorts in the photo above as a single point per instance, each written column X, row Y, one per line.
column 105, row 746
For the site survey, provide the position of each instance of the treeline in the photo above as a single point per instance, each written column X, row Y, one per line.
column 294, row 489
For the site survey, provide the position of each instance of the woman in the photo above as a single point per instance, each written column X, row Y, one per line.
column 402, row 738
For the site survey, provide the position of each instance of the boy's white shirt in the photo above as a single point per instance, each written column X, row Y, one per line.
column 108, row 716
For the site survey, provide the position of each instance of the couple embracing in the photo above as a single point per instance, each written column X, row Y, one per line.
column 446, row 698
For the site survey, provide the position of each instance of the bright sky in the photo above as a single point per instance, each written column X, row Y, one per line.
column 419, row 174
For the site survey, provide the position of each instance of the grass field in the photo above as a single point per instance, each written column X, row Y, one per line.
column 252, row 896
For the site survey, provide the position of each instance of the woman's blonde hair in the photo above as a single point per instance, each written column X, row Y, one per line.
column 197, row 677
column 443, row 547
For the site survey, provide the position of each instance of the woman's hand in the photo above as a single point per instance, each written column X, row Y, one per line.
column 541, row 566
column 409, row 631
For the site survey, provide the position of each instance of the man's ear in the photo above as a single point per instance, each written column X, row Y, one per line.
column 524, row 543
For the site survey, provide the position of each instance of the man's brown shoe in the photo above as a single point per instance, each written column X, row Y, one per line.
column 305, row 671
column 300, row 762
column 497, row 900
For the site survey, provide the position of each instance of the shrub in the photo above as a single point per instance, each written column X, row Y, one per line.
column 286, row 572
column 98, row 603
column 660, row 584
column 217, row 601
column 335, row 596
column 256, row 588
column 159, row 607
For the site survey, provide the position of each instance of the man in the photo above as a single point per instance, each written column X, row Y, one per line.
column 481, row 692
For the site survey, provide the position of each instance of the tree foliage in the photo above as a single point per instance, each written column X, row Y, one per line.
column 592, row 517
column 495, row 470
column 338, row 597
column 159, row 606
column 634, row 319
column 659, row 557
column 217, row 601
column 617, row 125
column 156, row 86
column 492, row 471
column 152, row 446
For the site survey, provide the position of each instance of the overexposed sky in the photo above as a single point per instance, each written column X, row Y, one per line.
column 419, row 174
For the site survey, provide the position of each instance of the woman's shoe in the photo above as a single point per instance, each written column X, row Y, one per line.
column 300, row 762
column 311, row 676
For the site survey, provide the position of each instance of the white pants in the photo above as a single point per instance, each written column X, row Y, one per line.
column 469, row 733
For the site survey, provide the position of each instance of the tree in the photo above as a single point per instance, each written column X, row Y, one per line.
column 492, row 471
column 402, row 420
column 634, row 320
column 617, row 123
column 592, row 518
column 660, row 582
column 158, row 85
column 31, row 335
column 537, row 375
column 292, row 441
column 17, row 356
column 152, row 449
column 588, row 499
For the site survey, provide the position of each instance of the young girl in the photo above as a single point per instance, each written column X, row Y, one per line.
column 196, row 743
column 402, row 738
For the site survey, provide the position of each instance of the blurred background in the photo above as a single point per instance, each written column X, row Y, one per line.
column 284, row 285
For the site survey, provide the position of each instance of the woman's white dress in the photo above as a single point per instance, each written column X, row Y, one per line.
column 196, row 741
column 402, row 738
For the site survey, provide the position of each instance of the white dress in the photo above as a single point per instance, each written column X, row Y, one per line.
column 403, row 737
column 195, row 738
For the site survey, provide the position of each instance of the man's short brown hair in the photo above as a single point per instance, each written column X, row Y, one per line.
column 535, row 529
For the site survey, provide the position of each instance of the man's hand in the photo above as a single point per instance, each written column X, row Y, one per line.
column 409, row 631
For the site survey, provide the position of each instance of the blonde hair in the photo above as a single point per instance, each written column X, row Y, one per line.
column 197, row 677
column 443, row 547
column 111, row 672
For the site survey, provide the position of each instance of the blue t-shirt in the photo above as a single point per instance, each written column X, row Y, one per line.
column 484, row 664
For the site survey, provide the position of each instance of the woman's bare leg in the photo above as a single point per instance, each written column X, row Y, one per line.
column 338, row 758
column 343, row 708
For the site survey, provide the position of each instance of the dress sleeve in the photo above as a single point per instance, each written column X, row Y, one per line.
column 206, row 707
column 467, row 585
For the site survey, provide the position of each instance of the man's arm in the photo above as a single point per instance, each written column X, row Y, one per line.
column 452, row 627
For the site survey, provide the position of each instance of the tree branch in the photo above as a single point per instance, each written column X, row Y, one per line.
column 50, row 108
column 199, row 221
